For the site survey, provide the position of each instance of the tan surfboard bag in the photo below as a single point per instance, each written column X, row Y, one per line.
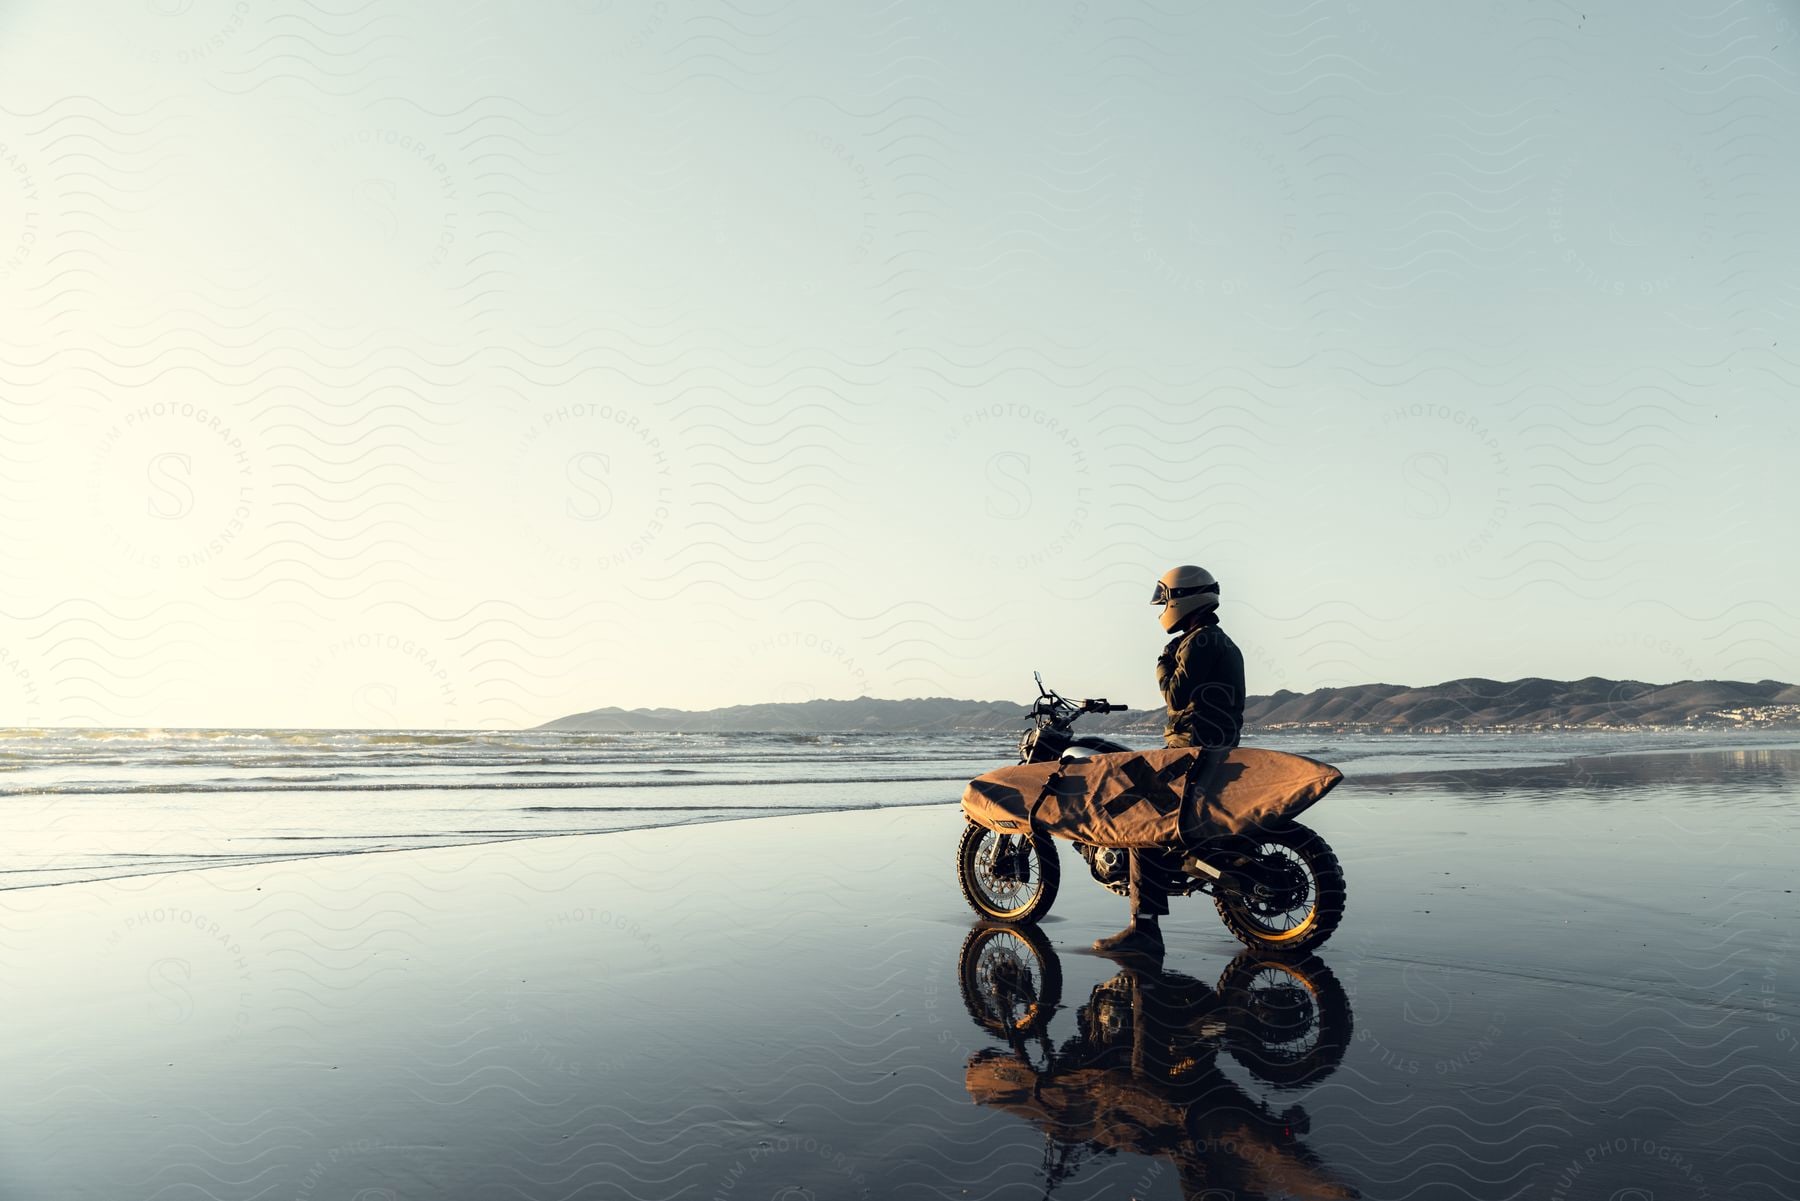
column 1134, row 798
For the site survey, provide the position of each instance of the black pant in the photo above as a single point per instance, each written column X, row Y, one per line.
column 1149, row 868
column 1149, row 896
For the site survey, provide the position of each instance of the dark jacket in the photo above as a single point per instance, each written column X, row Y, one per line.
column 1201, row 674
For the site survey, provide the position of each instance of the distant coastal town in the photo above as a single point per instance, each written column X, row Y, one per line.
column 1760, row 717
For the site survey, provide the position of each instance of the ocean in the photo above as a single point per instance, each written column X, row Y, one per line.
column 94, row 804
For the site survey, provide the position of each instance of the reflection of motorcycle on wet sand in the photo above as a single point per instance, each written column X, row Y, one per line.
column 1140, row 1074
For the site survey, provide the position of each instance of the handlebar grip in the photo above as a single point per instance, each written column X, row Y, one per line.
column 1117, row 708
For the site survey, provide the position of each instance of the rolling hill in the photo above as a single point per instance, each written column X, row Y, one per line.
column 1457, row 705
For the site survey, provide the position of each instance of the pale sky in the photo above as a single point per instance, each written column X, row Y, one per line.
column 454, row 366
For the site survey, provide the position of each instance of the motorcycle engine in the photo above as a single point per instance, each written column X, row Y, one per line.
column 1111, row 866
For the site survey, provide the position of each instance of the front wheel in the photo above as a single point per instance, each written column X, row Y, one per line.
column 1293, row 893
column 1007, row 878
column 1011, row 979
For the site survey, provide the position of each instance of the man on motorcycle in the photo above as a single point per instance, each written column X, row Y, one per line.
column 1201, row 675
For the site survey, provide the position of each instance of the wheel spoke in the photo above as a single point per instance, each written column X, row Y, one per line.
column 1297, row 901
column 1287, row 1012
column 1006, row 896
column 1009, row 980
column 1007, row 878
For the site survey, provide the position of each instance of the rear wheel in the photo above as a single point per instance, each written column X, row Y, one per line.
column 1290, row 1020
column 1295, row 894
column 1007, row 878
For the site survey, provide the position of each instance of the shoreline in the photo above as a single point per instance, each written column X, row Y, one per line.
column 272, row 860
column 1602, row 770
column 808, row 736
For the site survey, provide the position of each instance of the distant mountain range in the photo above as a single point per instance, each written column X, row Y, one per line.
column 1459, row 705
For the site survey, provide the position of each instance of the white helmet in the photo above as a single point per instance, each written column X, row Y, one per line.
column 1182, row 590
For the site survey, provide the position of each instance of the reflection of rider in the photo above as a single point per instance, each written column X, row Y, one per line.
column 1201, row 675
column 1141, row 1075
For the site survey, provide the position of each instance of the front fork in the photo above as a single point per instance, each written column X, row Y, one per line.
column 1009, row 859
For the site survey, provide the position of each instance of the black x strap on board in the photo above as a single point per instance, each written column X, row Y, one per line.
column 1149, row 786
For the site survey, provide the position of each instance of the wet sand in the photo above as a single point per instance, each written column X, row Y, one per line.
column 1568, row 988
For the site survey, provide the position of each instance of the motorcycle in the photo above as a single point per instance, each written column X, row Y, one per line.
column 1140, row 1073
column 1277, row 886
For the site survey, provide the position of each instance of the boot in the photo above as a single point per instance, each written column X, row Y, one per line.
column 1142, row 937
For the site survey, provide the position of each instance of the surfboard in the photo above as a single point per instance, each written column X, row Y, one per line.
column 1134, row 798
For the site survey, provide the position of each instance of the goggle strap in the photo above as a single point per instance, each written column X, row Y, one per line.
column 1164, row 594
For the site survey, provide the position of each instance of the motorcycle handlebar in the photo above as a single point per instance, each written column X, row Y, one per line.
column 1049, row 702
